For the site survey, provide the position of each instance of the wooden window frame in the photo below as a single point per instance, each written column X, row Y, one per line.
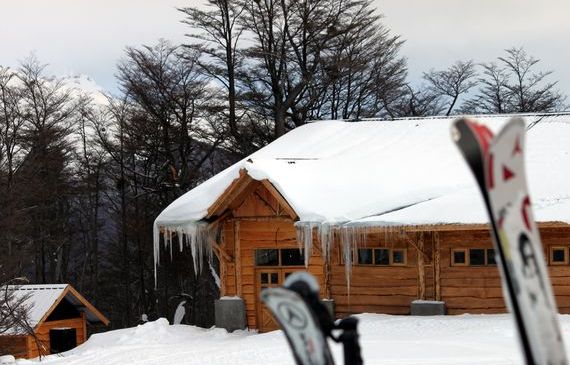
column 551, row 255
column 405, row 251
column 374, row 264
column 465, row 253
column 279, row 258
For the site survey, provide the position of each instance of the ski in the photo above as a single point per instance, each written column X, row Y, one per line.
column 497, row 163
column 292, row 309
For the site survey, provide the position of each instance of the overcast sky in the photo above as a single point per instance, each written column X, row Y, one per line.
column 88, row 37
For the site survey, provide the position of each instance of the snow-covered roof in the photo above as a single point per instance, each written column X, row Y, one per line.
column 388, row 172
column 39, row 300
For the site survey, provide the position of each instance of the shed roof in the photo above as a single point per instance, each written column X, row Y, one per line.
column 40, row 300
column 388, row 172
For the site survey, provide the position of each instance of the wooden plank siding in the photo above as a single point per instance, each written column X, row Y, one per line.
column 42, row 333
column 14, row 345
column 260, row 220
column 376, row 289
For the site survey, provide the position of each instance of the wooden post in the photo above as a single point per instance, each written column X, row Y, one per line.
column 421, row 266
column 237, row 259
column 436, row 261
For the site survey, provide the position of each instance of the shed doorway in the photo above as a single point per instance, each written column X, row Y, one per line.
column 62, row 339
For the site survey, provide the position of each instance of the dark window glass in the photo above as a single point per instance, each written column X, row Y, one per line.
column 398, row 257
column 365, row 256
column 274, row 278
column 558, row 255
column 458, row 257
column 292, row 257
column 264, row 278
column 267, row 257
column 491, row 257
column 381, row 256
column 476, row 256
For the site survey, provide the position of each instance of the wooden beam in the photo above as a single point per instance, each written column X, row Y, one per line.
column 89, row 306
column 421, row 268
column 436, row 263
column 230, row 194
column 237, row 246
column 280, row 199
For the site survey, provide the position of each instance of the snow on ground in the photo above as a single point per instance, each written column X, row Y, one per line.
column 385, row 339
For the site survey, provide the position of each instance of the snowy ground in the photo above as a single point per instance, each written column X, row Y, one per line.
column 465, row 339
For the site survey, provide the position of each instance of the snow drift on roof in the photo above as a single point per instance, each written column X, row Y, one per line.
column 388, row 172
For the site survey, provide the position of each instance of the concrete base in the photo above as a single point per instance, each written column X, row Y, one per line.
column 427, row 308
column 230, row 313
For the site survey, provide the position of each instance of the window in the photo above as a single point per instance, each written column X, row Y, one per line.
column 267, row 257
column 365, row 256
column 476, row 257
column 473, row 257
column 398, row 257
column 381, row 256
column 558, row 255
column 292, row 257
column 281, row 257
column 491, row 257
column 458, row 257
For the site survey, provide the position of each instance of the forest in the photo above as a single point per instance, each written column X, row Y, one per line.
column 81, row 181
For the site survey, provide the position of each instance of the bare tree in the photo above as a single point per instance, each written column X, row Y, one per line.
column 450, row 84
column 513, row 86
column 290, row 41
column 218, row 41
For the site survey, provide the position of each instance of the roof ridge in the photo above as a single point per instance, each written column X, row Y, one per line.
column 438, row 117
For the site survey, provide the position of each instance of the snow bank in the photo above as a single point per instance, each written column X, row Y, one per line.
column 385, row 339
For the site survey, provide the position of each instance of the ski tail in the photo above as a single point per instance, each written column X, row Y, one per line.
column 497, row 163
column 299, row 322
column 307, row 323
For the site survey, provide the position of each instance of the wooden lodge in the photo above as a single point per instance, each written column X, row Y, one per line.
column 427, row 239
column 58, row 315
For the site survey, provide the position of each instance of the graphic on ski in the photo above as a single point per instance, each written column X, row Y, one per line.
column 300, row 325
column 498, row 166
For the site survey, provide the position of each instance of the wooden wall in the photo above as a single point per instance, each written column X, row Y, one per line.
column 259, row 221
column 376, row 289
column 469, row 289
column 13, row 345
column 478, row 289
column 42, row 333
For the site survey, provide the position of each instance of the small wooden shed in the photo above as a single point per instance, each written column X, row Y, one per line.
column 381, row 212
column 59, row 316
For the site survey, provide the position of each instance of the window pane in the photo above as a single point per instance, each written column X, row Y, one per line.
column 458, row 257
column 398, row 257
column 267, row 257
column 558, row 255
column 365, row 256
column 292, row 257
column 274, row 278
column 381, row 256
column 264, row 278
column 491, row 257
column 476, row 256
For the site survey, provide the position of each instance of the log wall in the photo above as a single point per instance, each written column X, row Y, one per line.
column 376, row 289
column 260, row 221
column 14, row 345
column 42, row 334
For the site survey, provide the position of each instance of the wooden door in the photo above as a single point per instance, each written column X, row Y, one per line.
column 266, row 278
